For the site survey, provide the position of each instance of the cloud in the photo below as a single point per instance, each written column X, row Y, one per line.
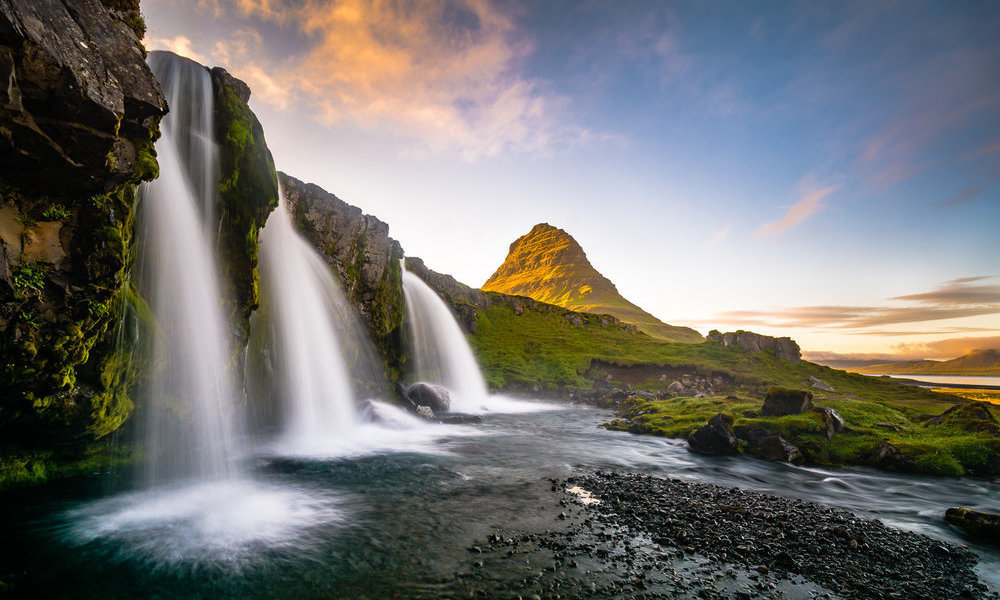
column 955, row 299
column 445, row 75
column 966, row 196
column 811, row 196
column 180, row 45
column 721, row 235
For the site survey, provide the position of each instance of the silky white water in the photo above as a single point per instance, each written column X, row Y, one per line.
column 303, row 302
column 189, row 402
column 440, row 350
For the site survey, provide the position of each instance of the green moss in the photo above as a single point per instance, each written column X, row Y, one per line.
column 55, row 212
column 30, row 276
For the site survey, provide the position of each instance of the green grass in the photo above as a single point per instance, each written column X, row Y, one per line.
column 947, row 449
column 540, row 349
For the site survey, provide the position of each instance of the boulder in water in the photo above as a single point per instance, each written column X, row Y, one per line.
column 783, row 401
column 982, row 524
column 433, row 396
column 775, row 447
column 715, row 437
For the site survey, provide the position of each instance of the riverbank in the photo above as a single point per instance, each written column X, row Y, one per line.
column 634, row 535
column 963, row 439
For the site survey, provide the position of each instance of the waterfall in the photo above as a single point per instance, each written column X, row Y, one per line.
column 306, row 310
column 191, row 423
column 441, row 352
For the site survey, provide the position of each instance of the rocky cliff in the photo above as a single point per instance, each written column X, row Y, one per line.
column 366, row 259
column 248, row 192
column 548, row 265
column 784, row 348
column 79, row 111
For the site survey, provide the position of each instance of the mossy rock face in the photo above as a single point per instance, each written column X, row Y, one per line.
column 248, row 192
column 973, row 417
column 72, row 151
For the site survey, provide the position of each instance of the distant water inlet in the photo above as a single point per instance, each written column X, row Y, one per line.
column 305, row 314
column 440, row 350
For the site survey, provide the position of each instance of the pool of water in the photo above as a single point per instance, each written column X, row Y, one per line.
column 396, row 518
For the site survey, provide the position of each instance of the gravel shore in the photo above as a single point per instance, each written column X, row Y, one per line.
column 621, row 535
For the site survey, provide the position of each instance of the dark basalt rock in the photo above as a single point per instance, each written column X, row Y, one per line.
column 715, row 437
column 435, row 397
column 776, row 448
column 780, row 402
column 79, row 111
column 981, row 524
column 888, row 456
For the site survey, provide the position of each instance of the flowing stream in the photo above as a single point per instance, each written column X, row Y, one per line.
column 401, row 520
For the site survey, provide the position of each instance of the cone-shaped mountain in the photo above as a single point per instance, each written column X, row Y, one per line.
column 548, row 265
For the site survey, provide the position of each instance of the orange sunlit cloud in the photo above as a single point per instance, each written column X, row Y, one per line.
column 448, row 73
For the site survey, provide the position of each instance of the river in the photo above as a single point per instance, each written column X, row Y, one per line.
column 397, row 516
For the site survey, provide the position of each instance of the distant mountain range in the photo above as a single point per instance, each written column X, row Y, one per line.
column 977, row 362
column 548, row 265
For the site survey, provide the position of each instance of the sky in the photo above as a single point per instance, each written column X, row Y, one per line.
column 828, row 171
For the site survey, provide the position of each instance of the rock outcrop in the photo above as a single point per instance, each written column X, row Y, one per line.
column 548, row 265
column 367, row 260
column 435, row 397
column 248, row 192
column 79, row 111
column 784, row 348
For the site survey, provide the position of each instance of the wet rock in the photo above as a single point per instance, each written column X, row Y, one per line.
column 776, row 448
column 780, row 402
column 430, row 395
column 425, row 412
column 832, row 420
column 981, row 524
column 715, row 437
column 888, row 456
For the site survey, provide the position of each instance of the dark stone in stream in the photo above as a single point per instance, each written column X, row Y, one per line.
column 435, row 397
column 775, row 447
column 981, row 524
column 715, row 437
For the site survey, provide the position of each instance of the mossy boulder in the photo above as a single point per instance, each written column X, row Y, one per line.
column 72, row 150
column 981, row 524
column 972, row 417
column 781, row 402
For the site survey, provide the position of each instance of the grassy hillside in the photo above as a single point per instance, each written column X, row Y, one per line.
column 543, row 351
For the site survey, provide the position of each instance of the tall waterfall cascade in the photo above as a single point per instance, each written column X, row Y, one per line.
column 305, row 310
column 191, row 426
column 440, row 350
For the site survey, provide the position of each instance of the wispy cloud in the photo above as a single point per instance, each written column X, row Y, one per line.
column 956, row 299
column 721, row 235
column 448, row 74
column 966, row 196
column 811, row 196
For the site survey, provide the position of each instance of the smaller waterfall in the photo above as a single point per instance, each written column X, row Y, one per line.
column 308, row 316
column 442, row 354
